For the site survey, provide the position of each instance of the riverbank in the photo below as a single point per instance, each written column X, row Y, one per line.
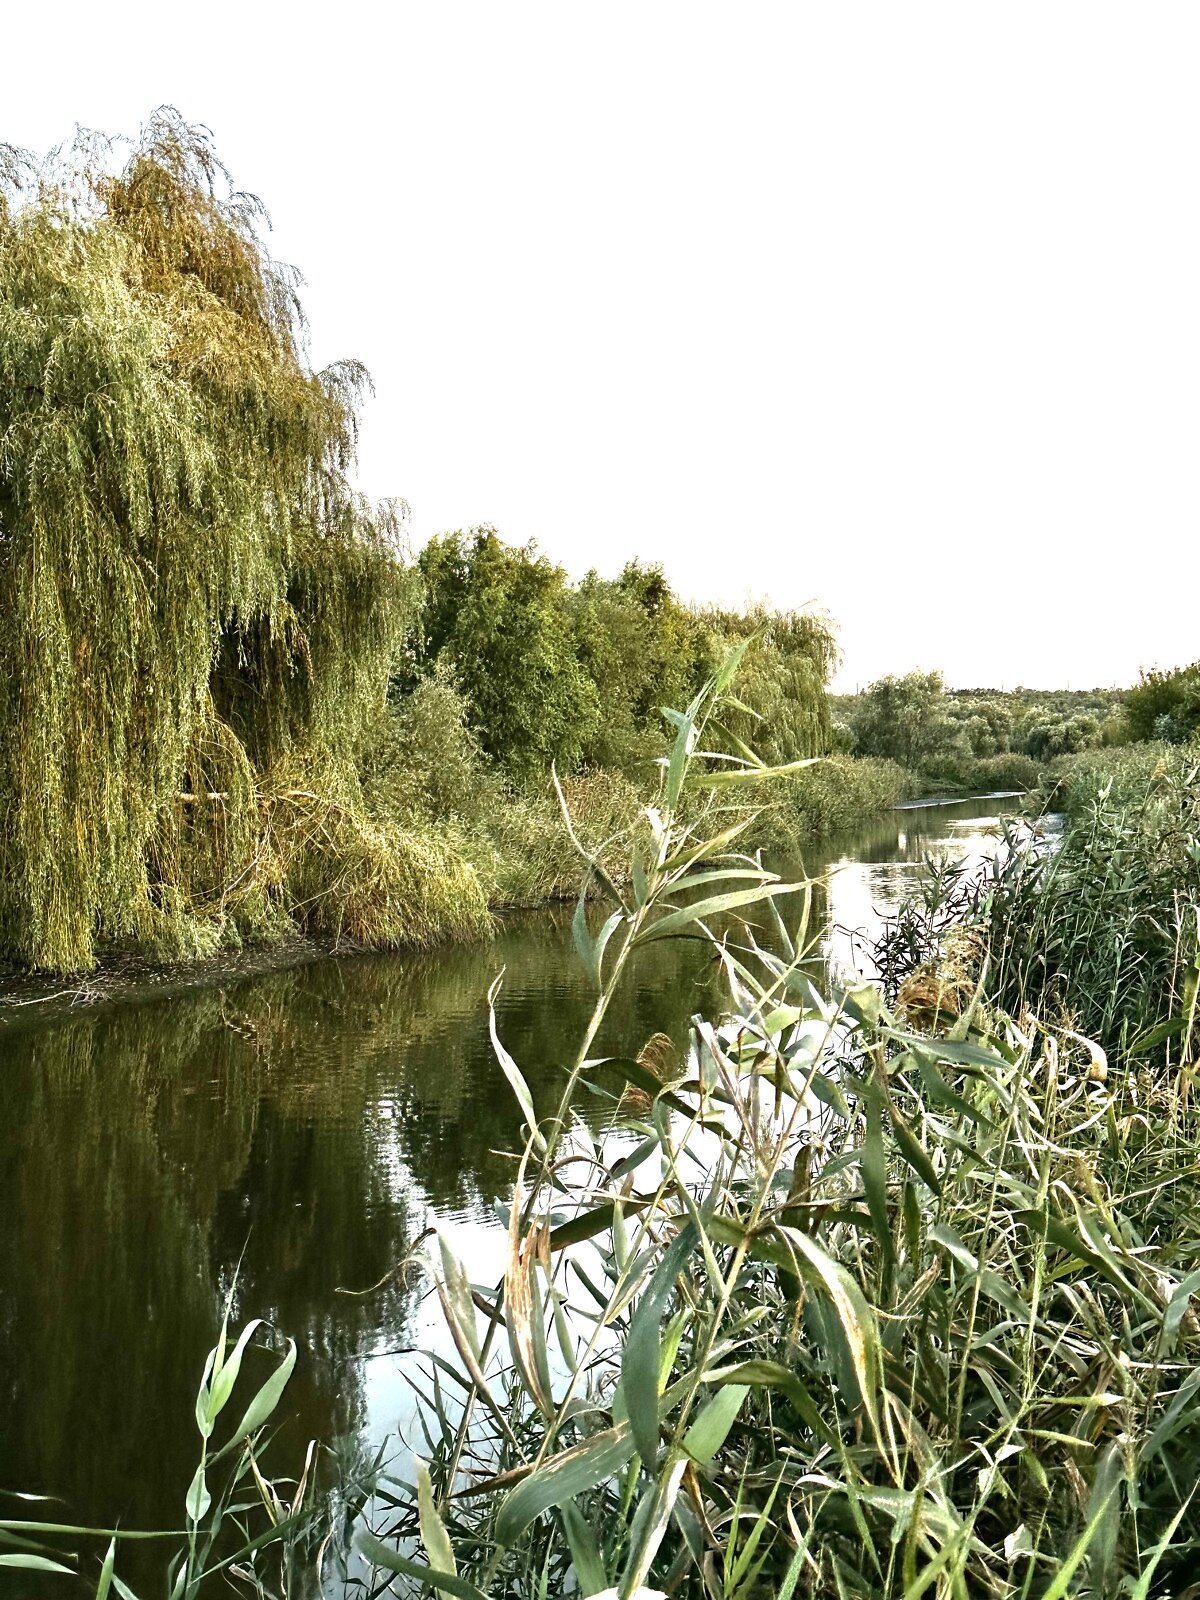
column 436, row 875
column 132, row 978
column 329, row 1119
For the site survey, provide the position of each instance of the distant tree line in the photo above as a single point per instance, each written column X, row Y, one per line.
column 915, row 720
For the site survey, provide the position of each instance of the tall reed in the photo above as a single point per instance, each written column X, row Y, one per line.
column 854, row 1310
column 1096, row 927
column 236, row 1524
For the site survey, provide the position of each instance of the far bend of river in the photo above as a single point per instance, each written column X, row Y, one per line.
column 311, row 1122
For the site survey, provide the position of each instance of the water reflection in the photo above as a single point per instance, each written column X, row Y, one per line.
column 308, row 1124
column 870, row 876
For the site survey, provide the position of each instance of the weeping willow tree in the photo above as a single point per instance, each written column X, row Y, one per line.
column 197, row 615
column 783, row 709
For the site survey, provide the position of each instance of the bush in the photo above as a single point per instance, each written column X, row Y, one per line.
column 1165, row 705
column 523, row 851
column 981, row 775
column 373, row 883
column 423, row 763
column 1010, row 771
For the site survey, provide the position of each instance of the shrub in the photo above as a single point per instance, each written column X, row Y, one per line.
column 1165, row 706
column 372, row 883
column 423, row 762
column 523, row 851
column 1009, row 771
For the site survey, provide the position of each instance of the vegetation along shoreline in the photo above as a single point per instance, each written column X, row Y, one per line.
column 244, row 712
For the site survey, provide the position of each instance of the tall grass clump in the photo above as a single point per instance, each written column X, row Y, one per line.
column 374, row 883
column 236, row 1524
column 524, row 850
column 1096, row 928
column 1007, row 771
column 853, row 1310
column 1128, row 775
column 427, row 768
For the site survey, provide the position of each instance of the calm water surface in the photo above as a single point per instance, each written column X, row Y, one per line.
column 311, row 1124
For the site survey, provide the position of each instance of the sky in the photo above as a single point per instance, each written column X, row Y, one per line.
column 893, row 310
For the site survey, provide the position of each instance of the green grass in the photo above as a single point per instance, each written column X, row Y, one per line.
column 523, row 850
column 981, row 774
column 375, row 884
column 829, row 798
column 1129, row 773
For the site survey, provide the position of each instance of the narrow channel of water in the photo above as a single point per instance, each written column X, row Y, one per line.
column 309, row 1123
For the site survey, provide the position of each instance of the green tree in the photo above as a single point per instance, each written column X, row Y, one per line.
column 643, row 650
column 1049, row 734
column 1165, row 705
column 188, row 587
column 781, row 682
column 904, row 719
column 500, row 618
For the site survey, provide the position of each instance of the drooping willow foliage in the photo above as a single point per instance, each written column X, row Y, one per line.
column 197, row 615
column 782, row 681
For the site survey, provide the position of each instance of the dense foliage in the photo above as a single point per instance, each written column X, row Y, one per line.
column 577, row 675
column 883, row 1302
column 1165, row 705
column 976, row 738
column 498, row 615
column 237, row 706
column 1091, row 921
column 196, row 610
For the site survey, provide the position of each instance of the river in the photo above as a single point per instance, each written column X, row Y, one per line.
column 308, row 1124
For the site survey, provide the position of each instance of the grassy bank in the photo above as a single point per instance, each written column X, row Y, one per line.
column 964, row 774
column 1130, row 775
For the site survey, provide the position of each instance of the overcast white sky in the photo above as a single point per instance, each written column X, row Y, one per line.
column 894, row 308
